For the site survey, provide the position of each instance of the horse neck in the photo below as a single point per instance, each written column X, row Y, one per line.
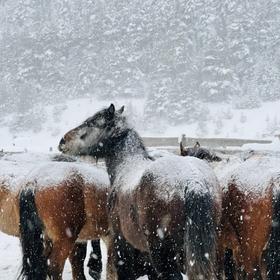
column 124, row 149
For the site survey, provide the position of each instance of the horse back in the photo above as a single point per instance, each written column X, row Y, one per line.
column 242, row 216
column 156, row 205
column 124, row 217
column 160, row 218
column 61, row 208
column 140, row 216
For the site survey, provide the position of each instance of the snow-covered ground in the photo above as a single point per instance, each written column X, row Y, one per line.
column 221, row 121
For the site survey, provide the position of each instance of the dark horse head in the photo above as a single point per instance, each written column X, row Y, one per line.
column 94, row 135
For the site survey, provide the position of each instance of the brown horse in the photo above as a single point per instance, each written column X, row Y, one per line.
column 12, row 170
column 168, row 208
column 66, row 202
column 250, row 219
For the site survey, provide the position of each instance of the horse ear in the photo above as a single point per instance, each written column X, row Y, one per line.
column 120, row 111
column 111, row 109
column 197, row 145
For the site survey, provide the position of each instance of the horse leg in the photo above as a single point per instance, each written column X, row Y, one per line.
column 131, row 263
column 61, row 249
column 254, row 273
column 229, row 265
column 151, row 273
column 123, row 257
column 95, row 260
column 77, row 258
column 221, row 263
column 263, row 268
column 164, row 259
column 111, row 273
column 252, row 260
column 241, row 274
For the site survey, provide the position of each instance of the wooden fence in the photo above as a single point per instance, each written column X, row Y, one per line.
column 213, row 143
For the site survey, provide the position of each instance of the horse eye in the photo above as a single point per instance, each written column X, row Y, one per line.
column 83, row 136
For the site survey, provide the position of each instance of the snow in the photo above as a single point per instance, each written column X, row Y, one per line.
column 255, row 126
column 18, row 169
column 244, row 176
column 159, row 152
column 167, row 172
column 252, row 176
column 222, row 121
column 274, row 146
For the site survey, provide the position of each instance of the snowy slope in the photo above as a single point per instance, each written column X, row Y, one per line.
column 221, row 121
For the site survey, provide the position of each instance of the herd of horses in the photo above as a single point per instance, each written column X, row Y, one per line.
column 160, row 217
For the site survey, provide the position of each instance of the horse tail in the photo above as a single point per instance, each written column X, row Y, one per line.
column 273, row 248
column 200, row 236
column 34, row 263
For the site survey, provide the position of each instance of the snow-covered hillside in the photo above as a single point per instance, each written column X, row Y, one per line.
column 220, row 121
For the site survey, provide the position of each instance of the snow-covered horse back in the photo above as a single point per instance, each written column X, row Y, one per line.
column 251, row 217
column 168, row 207
column 54, row 204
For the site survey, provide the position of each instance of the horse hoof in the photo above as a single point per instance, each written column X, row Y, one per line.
column 95, row 275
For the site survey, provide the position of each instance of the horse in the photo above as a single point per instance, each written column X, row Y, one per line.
column 168, row 208
column 95, row 258
column 79, row 193
column 6, row 195
column 250, row 232
column 199, row 152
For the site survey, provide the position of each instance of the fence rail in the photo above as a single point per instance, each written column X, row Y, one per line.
column 206, row 142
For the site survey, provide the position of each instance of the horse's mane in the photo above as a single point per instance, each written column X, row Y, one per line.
column 128, row 138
